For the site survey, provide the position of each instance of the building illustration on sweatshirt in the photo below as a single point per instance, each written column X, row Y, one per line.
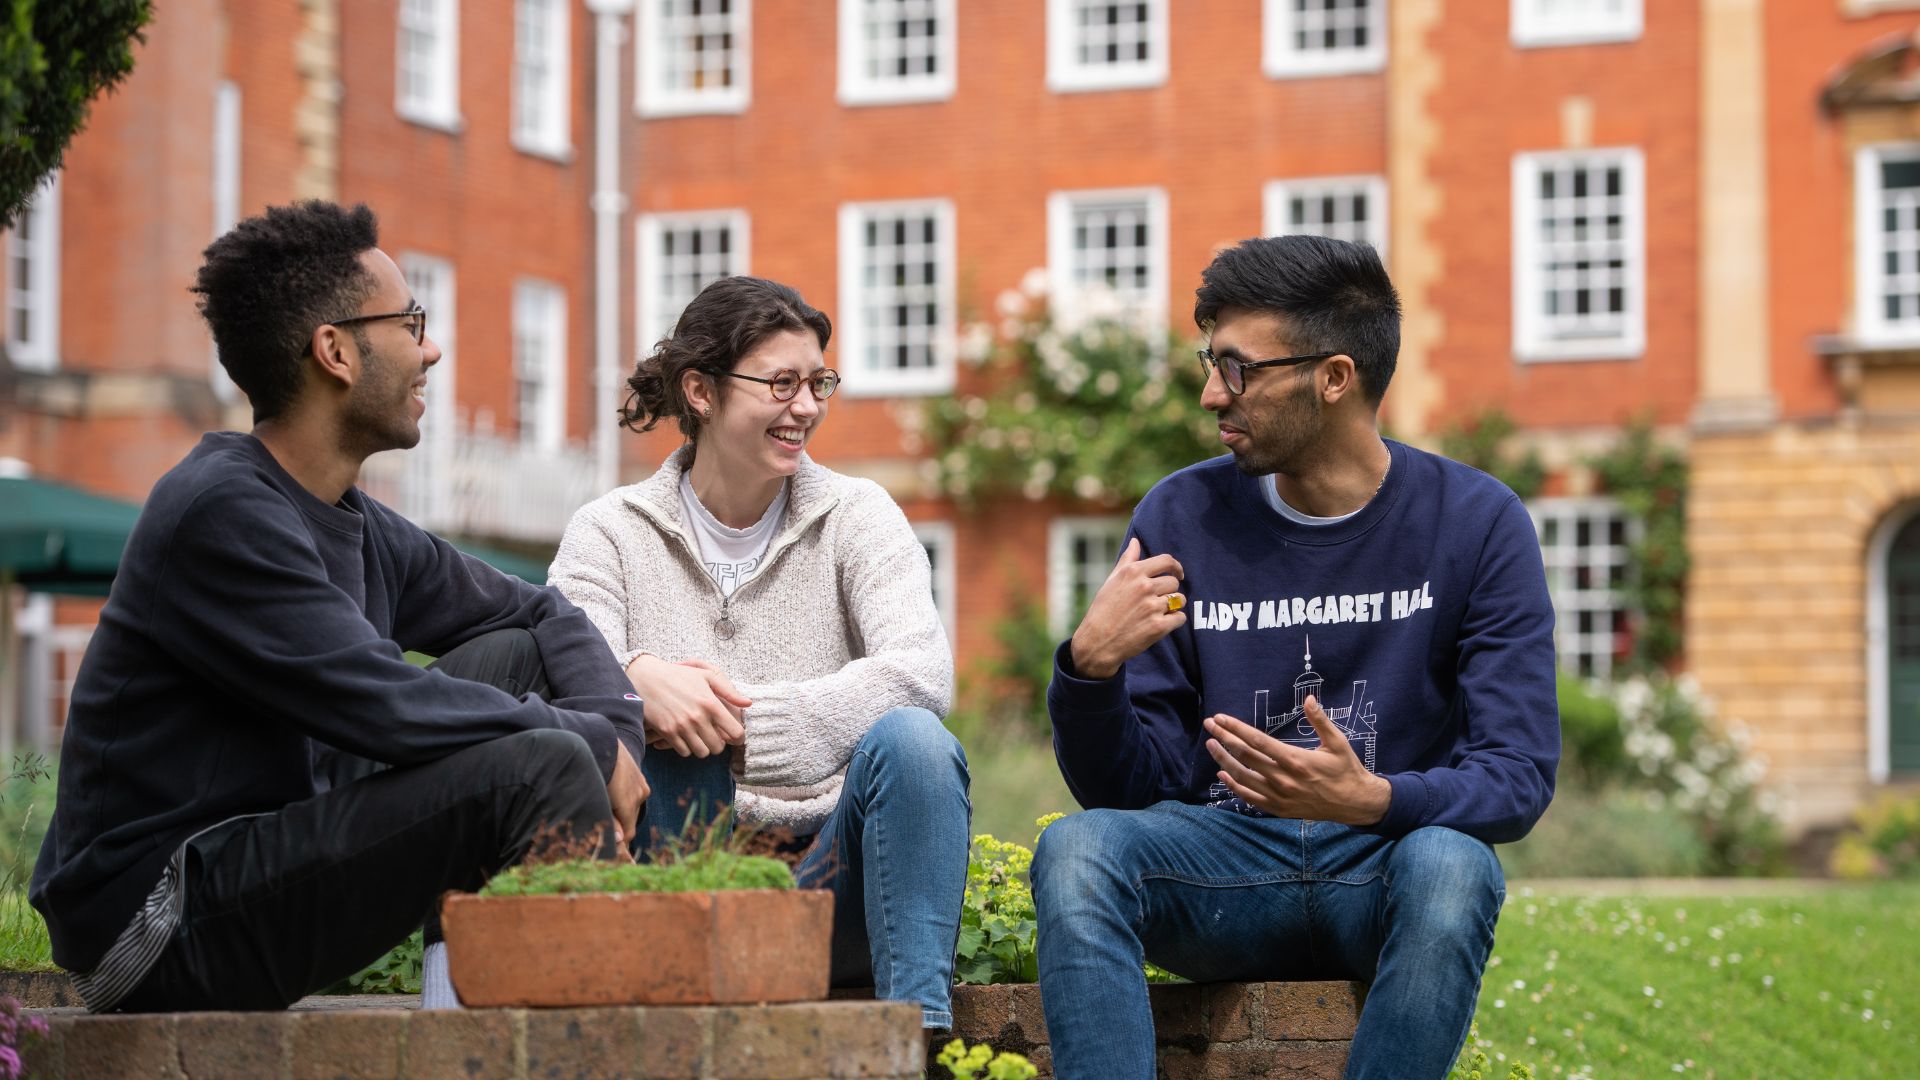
column 1356, row 720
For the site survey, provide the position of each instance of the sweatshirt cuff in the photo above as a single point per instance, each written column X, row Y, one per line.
column 1408, row 807
column 1071, row 696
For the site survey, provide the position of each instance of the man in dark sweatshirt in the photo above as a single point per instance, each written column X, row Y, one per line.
column 258, row 793
column 1318, row 684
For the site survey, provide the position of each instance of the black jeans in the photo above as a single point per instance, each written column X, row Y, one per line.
column 279, row 905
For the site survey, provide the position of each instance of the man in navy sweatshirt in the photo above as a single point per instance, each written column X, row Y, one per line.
column 1318, row 684
column 258, row 793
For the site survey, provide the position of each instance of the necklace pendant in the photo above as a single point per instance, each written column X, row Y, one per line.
column 724, row 627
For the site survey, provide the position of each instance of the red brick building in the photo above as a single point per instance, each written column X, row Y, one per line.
column 1596, row 210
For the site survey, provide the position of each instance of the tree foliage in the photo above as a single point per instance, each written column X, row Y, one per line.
column 1091, row 413
column 55, row 56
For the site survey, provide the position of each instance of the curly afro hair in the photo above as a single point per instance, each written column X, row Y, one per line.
column 270, row 281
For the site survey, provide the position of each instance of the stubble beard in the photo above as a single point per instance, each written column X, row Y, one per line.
column 379, row 414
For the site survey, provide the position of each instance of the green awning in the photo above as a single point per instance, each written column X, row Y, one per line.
column 55, row 538
column 528, row 569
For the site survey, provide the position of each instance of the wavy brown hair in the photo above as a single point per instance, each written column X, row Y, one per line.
column 728, row 320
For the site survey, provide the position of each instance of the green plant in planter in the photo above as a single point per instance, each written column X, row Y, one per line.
column 702, row 871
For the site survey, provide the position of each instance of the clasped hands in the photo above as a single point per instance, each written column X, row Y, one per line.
column 1132, row 610
column 692, row 708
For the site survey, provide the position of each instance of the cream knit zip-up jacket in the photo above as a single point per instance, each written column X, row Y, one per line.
column 836, row 627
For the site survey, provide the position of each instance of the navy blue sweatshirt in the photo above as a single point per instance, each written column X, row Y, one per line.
column 1421, row 623
column 251, row 621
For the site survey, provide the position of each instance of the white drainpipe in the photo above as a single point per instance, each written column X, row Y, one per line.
column 608, row 203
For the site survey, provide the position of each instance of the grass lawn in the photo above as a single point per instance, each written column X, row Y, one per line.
column 1754, row 979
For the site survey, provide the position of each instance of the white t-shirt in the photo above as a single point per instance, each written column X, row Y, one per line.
column 730, row 554
column 1271, row 489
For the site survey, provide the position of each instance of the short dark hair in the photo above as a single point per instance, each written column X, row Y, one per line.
column 271, row 280
column 1335, row 296
column 728, row 320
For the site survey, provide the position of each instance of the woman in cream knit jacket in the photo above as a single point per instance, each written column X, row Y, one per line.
column 777, row 619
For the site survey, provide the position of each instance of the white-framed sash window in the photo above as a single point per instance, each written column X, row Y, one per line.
column 1107, row 255
column 1587, row 546
column 33, row 281
column 680, row 254
column 1106, row 44
column 542, row 76
column 695, row 56
column 540, row 363
column 1886, row 244
column 937, row 538
column 896, row 51
column 1579, row 255
column 897, row 297
column 1081, row 552
column 427, row 69
column 1303, row 38
column 1573, row 22
column 1342, row 207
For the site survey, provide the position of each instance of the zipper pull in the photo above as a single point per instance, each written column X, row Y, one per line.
column 724, row 627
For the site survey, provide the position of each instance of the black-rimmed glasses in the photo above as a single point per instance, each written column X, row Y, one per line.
column 785, row 383
column 417, row 325
column 1233, row 371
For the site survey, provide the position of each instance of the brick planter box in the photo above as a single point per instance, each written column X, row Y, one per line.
column 1205, row 1032
column 880, row 1040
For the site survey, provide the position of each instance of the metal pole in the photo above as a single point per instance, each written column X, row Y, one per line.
column 608, row 203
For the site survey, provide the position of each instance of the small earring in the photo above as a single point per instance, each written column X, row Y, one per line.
column 707, row 414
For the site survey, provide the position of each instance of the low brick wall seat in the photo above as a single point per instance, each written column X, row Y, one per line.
column 1211, row 1031
column 832, row 1039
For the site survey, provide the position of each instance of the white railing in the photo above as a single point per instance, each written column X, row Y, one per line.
column 482, row 485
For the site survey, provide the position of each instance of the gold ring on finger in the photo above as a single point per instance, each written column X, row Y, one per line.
column 1175, row 602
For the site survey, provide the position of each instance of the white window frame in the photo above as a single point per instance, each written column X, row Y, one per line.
column 1062, row 532
column 440, row 106
column 432, row 280
column 857, row 87
column 40, row 351
column 1281, row 60
column 938, row 537
column 1531, row 337
column 549, row 433
column 1563, row 559
column 226, row 202
column 658, row 311
column 862, row 381
column 1279, row 193
column 1530, row 27
column 653, row 98
column 1871, row 324
column 1066, row 74
column 1061, row 206
column 550, row 133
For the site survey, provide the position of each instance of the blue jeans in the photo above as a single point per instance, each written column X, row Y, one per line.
column 1216, row 896
column 894, row 852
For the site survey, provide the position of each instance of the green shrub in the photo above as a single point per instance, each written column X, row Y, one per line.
column 55, row 55
column 1653, row 741
column 1608, row 833
column 1884, row 841
column 1096, row 414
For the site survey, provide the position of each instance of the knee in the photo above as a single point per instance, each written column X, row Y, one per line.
column 1076, row 860
column 1447, row 880
column 914, row 739
column 552, row 757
